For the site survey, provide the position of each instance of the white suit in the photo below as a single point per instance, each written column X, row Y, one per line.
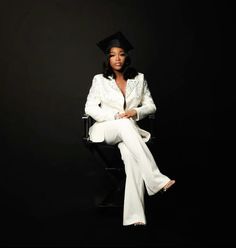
column 104, row 101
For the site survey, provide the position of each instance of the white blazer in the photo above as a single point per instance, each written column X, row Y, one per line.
column 105, row 100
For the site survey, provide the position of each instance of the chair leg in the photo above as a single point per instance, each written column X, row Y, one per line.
column 115, row 196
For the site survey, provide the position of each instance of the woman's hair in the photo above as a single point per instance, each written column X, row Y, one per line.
column 128, row 72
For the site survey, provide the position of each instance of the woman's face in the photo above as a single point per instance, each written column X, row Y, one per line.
column 117, row 58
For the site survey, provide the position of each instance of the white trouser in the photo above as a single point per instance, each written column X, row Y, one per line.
column 140, row 168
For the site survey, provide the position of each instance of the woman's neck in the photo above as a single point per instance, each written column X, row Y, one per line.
column 118, row 74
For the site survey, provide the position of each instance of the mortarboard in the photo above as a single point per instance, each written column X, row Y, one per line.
column 115, row 40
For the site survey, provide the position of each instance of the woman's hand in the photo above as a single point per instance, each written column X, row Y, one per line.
column 127, row 114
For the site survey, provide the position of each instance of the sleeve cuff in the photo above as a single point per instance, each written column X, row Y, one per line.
column 137, row 118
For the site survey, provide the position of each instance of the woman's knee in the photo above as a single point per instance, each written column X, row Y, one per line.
column 126, row 127
column 124, row 123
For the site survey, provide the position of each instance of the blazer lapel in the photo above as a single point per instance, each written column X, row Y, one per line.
column 131, row 84
column 113, row 85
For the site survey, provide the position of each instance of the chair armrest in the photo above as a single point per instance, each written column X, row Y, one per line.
column 87, row 123
column 149, row 124
column 152, row 125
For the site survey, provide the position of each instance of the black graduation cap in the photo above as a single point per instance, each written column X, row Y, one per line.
column 115, row 40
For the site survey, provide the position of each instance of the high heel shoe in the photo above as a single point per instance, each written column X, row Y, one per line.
column 167, row 186
column 139, row 224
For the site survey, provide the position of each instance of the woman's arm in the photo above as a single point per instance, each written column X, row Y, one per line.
column 147, row 104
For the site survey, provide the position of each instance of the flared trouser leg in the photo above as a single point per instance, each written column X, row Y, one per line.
column 134, row 189
column 140, row 166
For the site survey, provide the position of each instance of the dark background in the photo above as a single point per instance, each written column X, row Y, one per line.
column 49, row 180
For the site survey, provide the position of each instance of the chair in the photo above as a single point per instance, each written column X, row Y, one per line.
column 109, row 157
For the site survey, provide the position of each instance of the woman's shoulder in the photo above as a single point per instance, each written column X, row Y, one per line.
column 99, row 77
column 140, row 76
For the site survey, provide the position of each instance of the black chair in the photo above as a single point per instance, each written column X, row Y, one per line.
column 109, row 157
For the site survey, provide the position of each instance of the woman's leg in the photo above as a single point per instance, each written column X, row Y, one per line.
column 134, row 189
column 124, row 130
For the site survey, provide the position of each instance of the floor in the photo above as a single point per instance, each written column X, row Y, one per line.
column 171, row 222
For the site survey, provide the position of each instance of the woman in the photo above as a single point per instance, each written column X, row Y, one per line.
column 117, row 99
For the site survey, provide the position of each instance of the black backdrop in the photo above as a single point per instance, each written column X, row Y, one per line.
column 48, row 58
